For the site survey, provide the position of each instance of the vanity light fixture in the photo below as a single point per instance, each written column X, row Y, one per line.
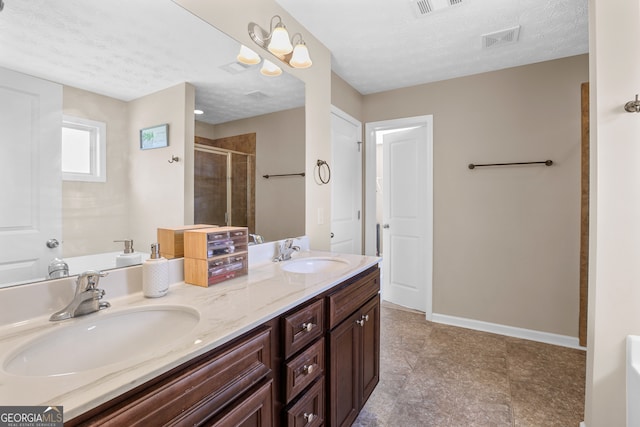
column 300, row 57
column 278, row 42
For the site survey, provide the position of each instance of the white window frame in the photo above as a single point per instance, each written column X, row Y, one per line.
column 98, row 149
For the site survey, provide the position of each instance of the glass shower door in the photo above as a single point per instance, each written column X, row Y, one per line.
column 210, row 188
column 223, row 188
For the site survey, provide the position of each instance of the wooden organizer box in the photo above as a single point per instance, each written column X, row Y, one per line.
column 171, row 239
column 213, row 255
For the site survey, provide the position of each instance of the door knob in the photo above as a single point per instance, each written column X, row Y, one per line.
column 332, row 235
column 385, row 226
column 52, row 243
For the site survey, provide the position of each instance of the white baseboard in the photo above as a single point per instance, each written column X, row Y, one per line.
column 528, row 334
column 582, row 424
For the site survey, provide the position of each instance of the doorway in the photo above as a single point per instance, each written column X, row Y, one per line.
column 399, row 181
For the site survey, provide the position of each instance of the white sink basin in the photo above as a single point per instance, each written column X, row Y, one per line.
column 315, row 265
column 94, row 341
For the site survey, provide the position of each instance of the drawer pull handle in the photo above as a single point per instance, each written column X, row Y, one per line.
column 360, row 322
column 309, row 417
column 307, row 369
column 307, row 327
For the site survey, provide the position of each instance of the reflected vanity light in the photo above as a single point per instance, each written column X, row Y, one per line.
column 198, row 112
column 248, row 56
column 270, row 69
column 278, row 42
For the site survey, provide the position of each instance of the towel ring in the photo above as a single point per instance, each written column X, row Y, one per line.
column 320, row 164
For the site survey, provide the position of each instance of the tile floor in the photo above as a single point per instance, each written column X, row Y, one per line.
column 435, row 375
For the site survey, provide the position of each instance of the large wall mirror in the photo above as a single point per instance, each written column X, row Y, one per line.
column 105, row 56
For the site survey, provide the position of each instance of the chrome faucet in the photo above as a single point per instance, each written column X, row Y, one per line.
column 87, row 297
column 255, row 239
column 285, row 249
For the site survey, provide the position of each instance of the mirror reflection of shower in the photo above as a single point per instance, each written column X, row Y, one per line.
column 224, row 184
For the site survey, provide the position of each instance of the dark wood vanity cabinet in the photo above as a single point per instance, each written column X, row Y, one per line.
column 354, row 349
column 314, row 365
column 332, row 391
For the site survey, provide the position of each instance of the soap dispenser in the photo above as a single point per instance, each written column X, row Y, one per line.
column 155, row 274
column 129, row 256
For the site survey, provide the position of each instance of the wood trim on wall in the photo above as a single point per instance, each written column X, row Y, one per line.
column 584, row 216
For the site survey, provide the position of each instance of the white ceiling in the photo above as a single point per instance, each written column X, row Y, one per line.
column 130, row 48
column 126, row 49
column 379, row 45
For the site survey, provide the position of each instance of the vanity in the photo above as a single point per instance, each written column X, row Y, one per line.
column 294, row 343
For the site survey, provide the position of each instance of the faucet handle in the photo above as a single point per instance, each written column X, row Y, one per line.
column 89, row 279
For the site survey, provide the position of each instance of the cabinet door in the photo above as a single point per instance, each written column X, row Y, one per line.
column 370, row 333
column 344, row 350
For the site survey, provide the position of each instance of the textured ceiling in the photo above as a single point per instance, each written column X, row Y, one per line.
column 126, row 49
column 380, row 45
column 130, row 48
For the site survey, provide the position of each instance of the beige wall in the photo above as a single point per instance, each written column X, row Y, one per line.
column 159, row 189
column 345, row 97
column 506, row 240
column 280, row 202
column 614, row 291
column 94, row 214
column 225, row 16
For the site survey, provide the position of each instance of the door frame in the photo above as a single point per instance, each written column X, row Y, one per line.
column 370, row 191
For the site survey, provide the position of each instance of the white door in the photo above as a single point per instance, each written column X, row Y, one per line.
column 346, row 189
column 406, row 188
column 30, row 177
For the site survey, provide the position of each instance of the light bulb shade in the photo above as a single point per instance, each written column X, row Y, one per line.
column 280, row 44
column 247, row 56
column 270, row 69
column 300, row 57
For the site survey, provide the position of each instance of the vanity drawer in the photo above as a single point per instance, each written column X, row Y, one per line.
column 304, row 369
column 303, row 327
column 345, row 301
column 309, row 410
column 193, row 393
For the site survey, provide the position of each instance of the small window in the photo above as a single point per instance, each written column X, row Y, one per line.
column 84, row 150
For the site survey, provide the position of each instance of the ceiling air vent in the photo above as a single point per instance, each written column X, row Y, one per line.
column 234, row 67
column 256, row 94
column 424, row 7
column 500, row 38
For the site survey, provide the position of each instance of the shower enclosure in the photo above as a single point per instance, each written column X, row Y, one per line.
column 224, row 191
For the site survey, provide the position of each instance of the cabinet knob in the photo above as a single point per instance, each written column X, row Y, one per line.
column 365, row 317
column 307, row 369
column 360, row 322
column 307, row 326
column 309, row 417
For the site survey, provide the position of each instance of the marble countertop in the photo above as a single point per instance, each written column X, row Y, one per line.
column 226, row 310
